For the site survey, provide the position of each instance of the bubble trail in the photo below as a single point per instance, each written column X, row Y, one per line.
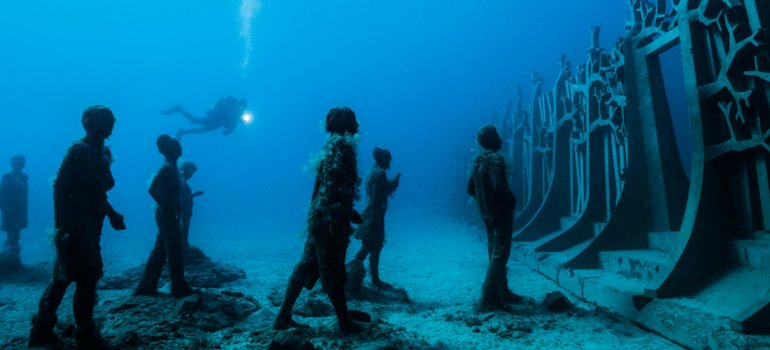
column 248, row 10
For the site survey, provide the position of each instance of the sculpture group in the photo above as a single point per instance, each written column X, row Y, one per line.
column 603, row 194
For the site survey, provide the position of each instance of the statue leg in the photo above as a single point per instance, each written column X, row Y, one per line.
column 44, row 322
column 331, row 263
column 83, row 304
column 490, row 238
column 148, row 284
column 374, row 266
column 495, row 288
column 175, row 253
column 12, row 241
column 305, row 274
column 364, row 251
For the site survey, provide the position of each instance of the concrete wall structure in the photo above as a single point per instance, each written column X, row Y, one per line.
column 606, row 208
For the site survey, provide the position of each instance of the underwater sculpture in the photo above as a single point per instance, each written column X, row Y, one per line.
column 80, row 205
column 165, row 189
column 489, row 185
column 372, row 231
column 329, row 229
column 13, row 203
column 226, row 113
column 191, row 254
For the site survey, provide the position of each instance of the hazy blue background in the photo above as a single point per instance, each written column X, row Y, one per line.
column 420, row 75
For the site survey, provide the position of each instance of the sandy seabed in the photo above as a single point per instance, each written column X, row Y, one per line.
column 439, row 263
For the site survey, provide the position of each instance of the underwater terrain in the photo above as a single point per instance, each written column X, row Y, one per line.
column 442, row 282
column 588, row 174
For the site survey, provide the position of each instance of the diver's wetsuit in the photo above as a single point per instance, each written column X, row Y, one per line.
column 372, row 231
column 226, row 113
column 168, row 243
column 14, row 191
column 489, row 185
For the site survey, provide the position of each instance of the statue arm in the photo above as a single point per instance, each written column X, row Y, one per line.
column 393, row 184
column 65, row 182
column 116, row 220
column 25, row 203
column 3, row 192
column 157, row 193
column 471, row 187
column 500, row 184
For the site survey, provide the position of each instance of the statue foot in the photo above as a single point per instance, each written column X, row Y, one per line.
column 350, row 326
column 382, row 285
column 283, row 324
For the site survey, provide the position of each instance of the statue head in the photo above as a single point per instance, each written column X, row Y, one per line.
column 382, row 157
column 169, row 147
column 98, row 122
column 488, row 138
column 18, row 162
column 187, row 169
column 341, row 120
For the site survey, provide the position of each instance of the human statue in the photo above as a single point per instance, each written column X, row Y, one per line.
column 226, row 113
column 80, row 205
column 166, row 189
column 329, row 221
column 489, row 186
column 372, row 231
column 13, row 203
column 191, row 254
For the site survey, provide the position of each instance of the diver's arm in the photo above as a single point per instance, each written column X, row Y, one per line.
column 231, row 124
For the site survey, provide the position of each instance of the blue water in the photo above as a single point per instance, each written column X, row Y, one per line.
column 420, row 75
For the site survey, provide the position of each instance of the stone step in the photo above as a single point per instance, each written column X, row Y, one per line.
column 639, row 264
column 598, row 227
column 700, row 321
column 754, row 254
column 663, row 241
column 567, row 222
column 619, row 294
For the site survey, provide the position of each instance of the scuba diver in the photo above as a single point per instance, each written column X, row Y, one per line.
column 226, row 113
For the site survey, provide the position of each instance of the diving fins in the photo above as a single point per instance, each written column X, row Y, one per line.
column 171, row 110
